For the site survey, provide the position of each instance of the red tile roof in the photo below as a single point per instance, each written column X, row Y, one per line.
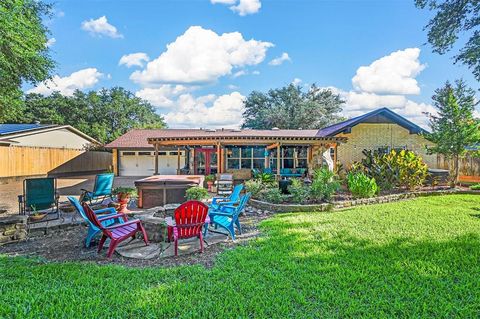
column 138, row 138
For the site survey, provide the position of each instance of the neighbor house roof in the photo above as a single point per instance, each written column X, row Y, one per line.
column 383, row 115
column 10, row 131
column 139, row 138
column 7, row 129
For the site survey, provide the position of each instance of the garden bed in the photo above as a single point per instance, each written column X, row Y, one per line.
column 340, row 204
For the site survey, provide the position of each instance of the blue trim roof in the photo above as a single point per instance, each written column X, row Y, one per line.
column 346, row 126
column 7, row 129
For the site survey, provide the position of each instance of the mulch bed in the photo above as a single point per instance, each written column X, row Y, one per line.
column 67, row 245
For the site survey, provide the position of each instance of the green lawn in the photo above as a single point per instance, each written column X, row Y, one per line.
column 417, row 258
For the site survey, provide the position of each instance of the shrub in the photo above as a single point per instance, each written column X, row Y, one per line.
column 254, row 187
column 265, row 178
column 298, row 191
column 196, row 193
column 413, row 171
column 475, row 187
column 394, row 169
column 272, row 195
column 324, row 184
column 360, row 185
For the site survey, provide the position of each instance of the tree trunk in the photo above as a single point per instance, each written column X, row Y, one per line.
column 456, row 168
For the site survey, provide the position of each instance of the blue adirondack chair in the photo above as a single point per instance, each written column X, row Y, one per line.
column 101, row 190
column 234, row 198
column 92, row 229
column 227, row 216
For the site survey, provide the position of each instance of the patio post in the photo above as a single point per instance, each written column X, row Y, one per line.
column 335, row 156
column 219, row 158
column 178, row 160
column 278, row 161
column 156, row 159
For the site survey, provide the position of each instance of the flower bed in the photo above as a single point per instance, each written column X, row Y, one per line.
column 336, row 205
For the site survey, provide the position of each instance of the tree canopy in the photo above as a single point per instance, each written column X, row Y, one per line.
column 455, row 127
column 104, row 115
column 291, row 108
column 454, row 19
column 24, row 55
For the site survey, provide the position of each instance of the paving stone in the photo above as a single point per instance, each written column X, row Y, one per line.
column 138, row 250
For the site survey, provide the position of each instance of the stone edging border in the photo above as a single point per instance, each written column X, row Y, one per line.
column 292, row 208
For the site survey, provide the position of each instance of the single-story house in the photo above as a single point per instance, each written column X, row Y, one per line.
column 38, row 149
column 210, row 151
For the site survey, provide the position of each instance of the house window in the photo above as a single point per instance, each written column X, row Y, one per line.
column 162, row 153
column 290, row 157
column 145, row 153
column 128, row 153
column 246, row 157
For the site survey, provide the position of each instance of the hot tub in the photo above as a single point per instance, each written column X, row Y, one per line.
column 159, row 190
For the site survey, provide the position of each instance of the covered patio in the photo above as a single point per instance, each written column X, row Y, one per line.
column 281, row 152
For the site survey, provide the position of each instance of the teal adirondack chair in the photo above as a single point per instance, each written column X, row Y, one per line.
column 227, row 216
column 39, row 195
column 92, row 229
column 234, row 198
column 101, row 190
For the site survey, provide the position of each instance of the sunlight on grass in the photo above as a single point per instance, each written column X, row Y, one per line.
column 416, row 258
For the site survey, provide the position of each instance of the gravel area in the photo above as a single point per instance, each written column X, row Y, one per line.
column 67, row 245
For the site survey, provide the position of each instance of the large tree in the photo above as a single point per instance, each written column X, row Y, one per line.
column 455, row 19
column 104, row 115
column 455, row 127
column 24, row 56
column 291, row 108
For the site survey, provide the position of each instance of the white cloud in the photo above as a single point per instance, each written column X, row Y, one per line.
column 256, row 72
column 239, row 73
column 207, row 111
column 101, row 27
column 385, row 84
column 134, row 59
column 278, row 61
column 392, row 74
column 297, row 81
column 232, row 87
column 162, row 96
column 201, row 56
column 51, row 42
column 242, row 7
column 81, row 79
column 245, row 7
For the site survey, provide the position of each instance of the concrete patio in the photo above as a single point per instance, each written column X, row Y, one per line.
column 67, row 186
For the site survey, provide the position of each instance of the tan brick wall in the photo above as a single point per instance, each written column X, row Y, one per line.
column 372, row 136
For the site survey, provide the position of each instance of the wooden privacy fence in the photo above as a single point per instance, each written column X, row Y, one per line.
column 469, row 167
column 18, row 161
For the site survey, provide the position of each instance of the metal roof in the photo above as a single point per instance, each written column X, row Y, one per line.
column 7, row 129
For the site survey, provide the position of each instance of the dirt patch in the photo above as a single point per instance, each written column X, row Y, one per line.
column 68, row 245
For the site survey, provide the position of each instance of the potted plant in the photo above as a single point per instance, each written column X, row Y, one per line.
column 210, row 179
column 124, row 194
column 36, row 215
column 196, row 193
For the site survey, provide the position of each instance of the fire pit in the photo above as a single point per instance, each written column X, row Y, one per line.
column 160, row 190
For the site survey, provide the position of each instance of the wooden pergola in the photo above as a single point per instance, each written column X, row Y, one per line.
column 220, row 142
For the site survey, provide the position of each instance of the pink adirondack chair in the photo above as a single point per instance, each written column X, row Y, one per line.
column 189, row 222
column 117, row 233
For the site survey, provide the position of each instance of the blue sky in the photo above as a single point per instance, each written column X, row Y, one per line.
column 221, row 50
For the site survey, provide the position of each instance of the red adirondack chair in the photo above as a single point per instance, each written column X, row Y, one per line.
column 117, row 233
column 189, row 222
